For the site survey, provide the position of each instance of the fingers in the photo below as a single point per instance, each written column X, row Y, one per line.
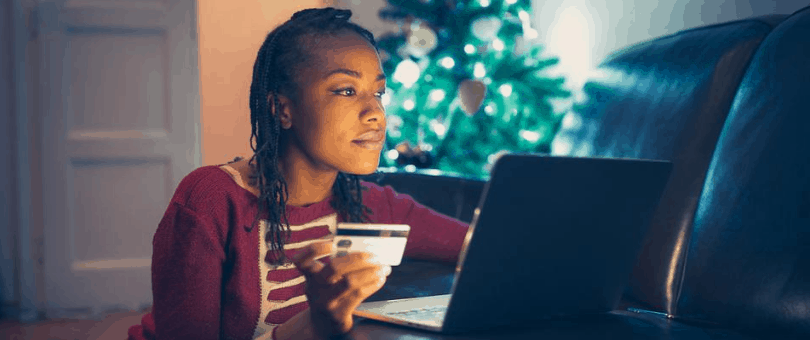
column 387, row 270
column 356, row 287
column 335, row 290
column 305, row 259
column 341, row 266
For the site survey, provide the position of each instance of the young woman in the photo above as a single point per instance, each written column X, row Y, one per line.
column 242, row 251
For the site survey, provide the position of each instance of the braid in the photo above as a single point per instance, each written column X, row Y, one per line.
column 273, row 74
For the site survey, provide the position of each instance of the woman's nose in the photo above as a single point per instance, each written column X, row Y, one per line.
column 374, row 112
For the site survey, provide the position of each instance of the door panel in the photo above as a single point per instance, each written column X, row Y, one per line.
column 119, row 108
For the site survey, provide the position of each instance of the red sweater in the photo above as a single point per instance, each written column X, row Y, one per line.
column 208, row 277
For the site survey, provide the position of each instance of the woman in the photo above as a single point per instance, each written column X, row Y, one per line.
column 242, row 251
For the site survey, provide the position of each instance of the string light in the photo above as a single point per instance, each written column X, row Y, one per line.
column 498, row 45
column 506, row 90
column 489, row 109
column 511, row 2
column 407, row 73
column 530, row 136
column 571, row 121
column 448, row 62
column 438, row 128
column 479, row 71
column 437, row 95
column 523, row 15
column 408, row 105
column 469, row 49
column 561, row 146
column 484, row 3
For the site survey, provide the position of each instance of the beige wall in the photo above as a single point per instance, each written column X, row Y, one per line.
column 231, row 33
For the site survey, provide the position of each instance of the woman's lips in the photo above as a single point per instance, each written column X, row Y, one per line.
column 372, row 140
column 369, row 144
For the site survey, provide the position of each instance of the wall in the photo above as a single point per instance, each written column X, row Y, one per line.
column 583, row 32
column 602, row 27
column 231, row 33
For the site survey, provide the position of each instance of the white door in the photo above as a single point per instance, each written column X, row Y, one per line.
column 118, row 108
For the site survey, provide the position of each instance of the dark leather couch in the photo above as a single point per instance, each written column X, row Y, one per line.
column 728, row 252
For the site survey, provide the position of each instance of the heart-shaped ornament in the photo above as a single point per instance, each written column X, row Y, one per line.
column 471, row 93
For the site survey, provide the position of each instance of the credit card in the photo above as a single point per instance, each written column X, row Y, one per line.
column 386, row 241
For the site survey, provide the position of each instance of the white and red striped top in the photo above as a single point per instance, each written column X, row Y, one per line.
column 210, row 277
column 283, row 286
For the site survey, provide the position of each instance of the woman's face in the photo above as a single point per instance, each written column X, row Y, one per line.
column 338, row 120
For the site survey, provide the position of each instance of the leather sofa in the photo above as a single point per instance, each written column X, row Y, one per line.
column 728, row 252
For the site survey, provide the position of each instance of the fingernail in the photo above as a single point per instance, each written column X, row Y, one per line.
column 387, row 270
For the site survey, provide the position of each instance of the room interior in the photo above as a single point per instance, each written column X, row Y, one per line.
column 622, row 50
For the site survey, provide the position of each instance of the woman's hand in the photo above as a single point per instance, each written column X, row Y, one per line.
column 336, row 289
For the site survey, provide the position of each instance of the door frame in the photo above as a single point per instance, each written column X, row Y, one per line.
column 28, row 256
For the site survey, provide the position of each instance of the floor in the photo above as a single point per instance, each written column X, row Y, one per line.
column 114, row 326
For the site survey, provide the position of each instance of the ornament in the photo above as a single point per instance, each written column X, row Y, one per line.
column 486, row 28
column 471, row 93
column 421, row 40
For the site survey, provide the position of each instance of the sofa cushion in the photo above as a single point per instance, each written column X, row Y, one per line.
column 666, row 99
column 748, row 260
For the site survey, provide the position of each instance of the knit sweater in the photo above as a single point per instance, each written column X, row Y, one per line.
column 211, row 278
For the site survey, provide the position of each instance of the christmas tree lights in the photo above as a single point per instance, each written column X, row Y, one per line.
column 468, row 84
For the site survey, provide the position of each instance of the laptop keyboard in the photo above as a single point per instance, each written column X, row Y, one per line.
column 425, row 313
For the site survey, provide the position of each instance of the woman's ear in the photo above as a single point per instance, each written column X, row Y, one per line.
column 285, row 116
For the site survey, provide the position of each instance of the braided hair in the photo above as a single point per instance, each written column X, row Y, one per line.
column 282, row 53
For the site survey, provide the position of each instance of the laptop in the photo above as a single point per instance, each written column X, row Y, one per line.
column 552, row 236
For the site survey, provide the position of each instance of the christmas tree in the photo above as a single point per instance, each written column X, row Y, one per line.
column 468, row 85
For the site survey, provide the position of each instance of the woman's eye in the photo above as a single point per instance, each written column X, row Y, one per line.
column 345, row 92
column 348, row 92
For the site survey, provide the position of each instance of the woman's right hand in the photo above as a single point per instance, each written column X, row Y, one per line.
column 334, row 290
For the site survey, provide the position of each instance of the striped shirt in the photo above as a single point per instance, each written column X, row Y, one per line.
column 211, row 278
column 283, row 286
